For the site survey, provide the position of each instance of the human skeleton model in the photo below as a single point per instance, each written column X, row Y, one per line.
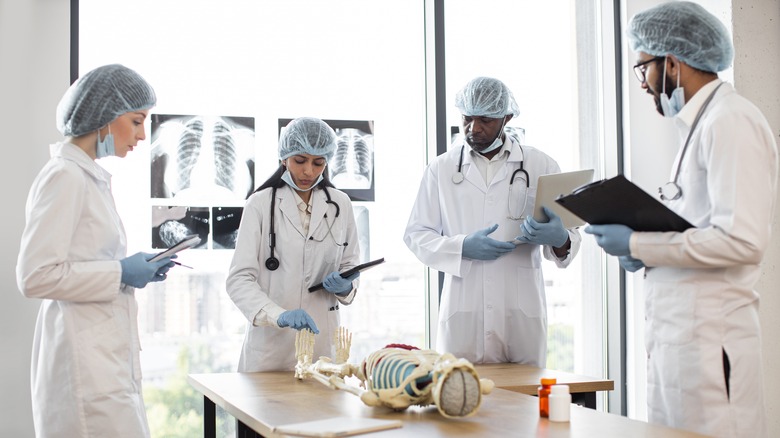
column 397, row 376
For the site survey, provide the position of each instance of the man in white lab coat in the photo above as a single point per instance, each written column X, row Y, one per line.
column 702, row 330
column 472, row 221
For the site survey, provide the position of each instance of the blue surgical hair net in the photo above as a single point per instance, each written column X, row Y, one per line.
column 685, row 30
column 99, row 97
column 307, row 135
column 486, row 97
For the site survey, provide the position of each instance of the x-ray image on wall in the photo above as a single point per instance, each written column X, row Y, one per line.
column 202, row 159
column 225, row 226
column 351, row 169
column 171, row 224
column 512, row 131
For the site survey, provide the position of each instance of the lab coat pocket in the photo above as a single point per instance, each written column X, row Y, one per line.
column 525, row 294
column 671, row 312
column 104, row 359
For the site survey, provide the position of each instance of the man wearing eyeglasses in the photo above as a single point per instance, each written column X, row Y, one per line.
column 702, row 330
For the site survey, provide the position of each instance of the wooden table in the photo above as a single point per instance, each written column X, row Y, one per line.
column 526, row 379
column 265, row 400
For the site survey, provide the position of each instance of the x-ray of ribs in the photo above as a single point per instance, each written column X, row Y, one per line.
column 188, row 151
column 224, row 155
column 352, row 154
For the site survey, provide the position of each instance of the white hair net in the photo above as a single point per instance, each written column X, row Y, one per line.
column 685, row 30
column 99, row 97
column 486, row 97
column 307, row 135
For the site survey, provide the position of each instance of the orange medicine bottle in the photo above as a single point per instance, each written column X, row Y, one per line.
column 544, row 392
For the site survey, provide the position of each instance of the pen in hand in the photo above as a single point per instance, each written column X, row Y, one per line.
column 181, row 264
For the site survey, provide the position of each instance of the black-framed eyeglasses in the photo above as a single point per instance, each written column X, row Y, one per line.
column 641, row 68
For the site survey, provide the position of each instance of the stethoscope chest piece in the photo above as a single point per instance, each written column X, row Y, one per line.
column 457, row 178
column 272, row 263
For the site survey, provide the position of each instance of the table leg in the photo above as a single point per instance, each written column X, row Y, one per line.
column 209, row 418
column 587, row 399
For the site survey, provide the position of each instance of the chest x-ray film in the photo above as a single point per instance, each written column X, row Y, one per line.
column 202, row 170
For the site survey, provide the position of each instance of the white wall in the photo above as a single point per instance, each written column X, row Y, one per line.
column 34, row 38
column 757, row 48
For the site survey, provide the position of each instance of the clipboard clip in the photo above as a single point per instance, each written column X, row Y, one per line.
column 585, row 187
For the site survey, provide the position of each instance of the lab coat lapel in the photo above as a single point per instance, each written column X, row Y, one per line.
column 318, row 209
column 288, row 205
column 471, row 173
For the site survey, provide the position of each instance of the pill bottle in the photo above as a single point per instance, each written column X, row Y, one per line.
column 544, row 392
column 560, row 403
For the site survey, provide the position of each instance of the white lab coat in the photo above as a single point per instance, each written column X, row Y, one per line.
column 86, row 374
column 305, row 260
column 490, row 311
column 700, row 299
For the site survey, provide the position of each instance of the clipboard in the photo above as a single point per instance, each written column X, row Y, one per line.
column 188, row 242
column 550, row 187
column 337, row 427
column 619, row 201
column 347, row 273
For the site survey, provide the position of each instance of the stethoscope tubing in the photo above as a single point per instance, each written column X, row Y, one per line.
column 272, row 262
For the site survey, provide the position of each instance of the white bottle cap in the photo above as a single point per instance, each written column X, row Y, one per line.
column 559, row 389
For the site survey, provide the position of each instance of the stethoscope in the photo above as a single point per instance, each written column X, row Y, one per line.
column 671, row 190
column 272, row 263
column 457, row 178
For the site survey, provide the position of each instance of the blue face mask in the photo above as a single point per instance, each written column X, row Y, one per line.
column 287, row 177
column 105, row 148
column 672, row 105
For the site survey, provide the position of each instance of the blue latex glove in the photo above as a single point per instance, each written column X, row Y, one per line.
column 162, row 272
column 137, row 271
column 544, row 233
column 479, row 246
column 297, row 319
column 612, row 238
column 336, row 284
column 630, row 264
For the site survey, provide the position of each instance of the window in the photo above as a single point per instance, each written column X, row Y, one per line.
column 228, row 73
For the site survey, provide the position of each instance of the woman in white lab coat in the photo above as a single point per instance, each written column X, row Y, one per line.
column 86, row 377
column 296, row 231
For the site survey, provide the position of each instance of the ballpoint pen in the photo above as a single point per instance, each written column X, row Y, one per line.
column 181, row 264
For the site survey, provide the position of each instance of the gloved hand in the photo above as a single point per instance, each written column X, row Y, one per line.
column 612, row 238
column 630, row 264
column 297, row 319
column 479, row 246
column 161, row 273
column 544, row 233
column 137, row 271
column 336, row 284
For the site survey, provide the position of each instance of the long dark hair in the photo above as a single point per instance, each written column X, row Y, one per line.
column 275, row 180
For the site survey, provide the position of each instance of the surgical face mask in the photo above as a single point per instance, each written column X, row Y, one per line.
column 672, row 105
column 105, row 148
column 287, row 177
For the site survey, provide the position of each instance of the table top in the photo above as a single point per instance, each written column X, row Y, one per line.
column 263, row 401
column 526, row 378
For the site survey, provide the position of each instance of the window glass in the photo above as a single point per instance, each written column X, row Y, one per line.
column 532, row 46
column 227, row 74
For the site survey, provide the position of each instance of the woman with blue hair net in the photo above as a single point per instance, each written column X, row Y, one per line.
column 703, row 336
column 86, row 375
column 471, row 220
column 296, row 230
